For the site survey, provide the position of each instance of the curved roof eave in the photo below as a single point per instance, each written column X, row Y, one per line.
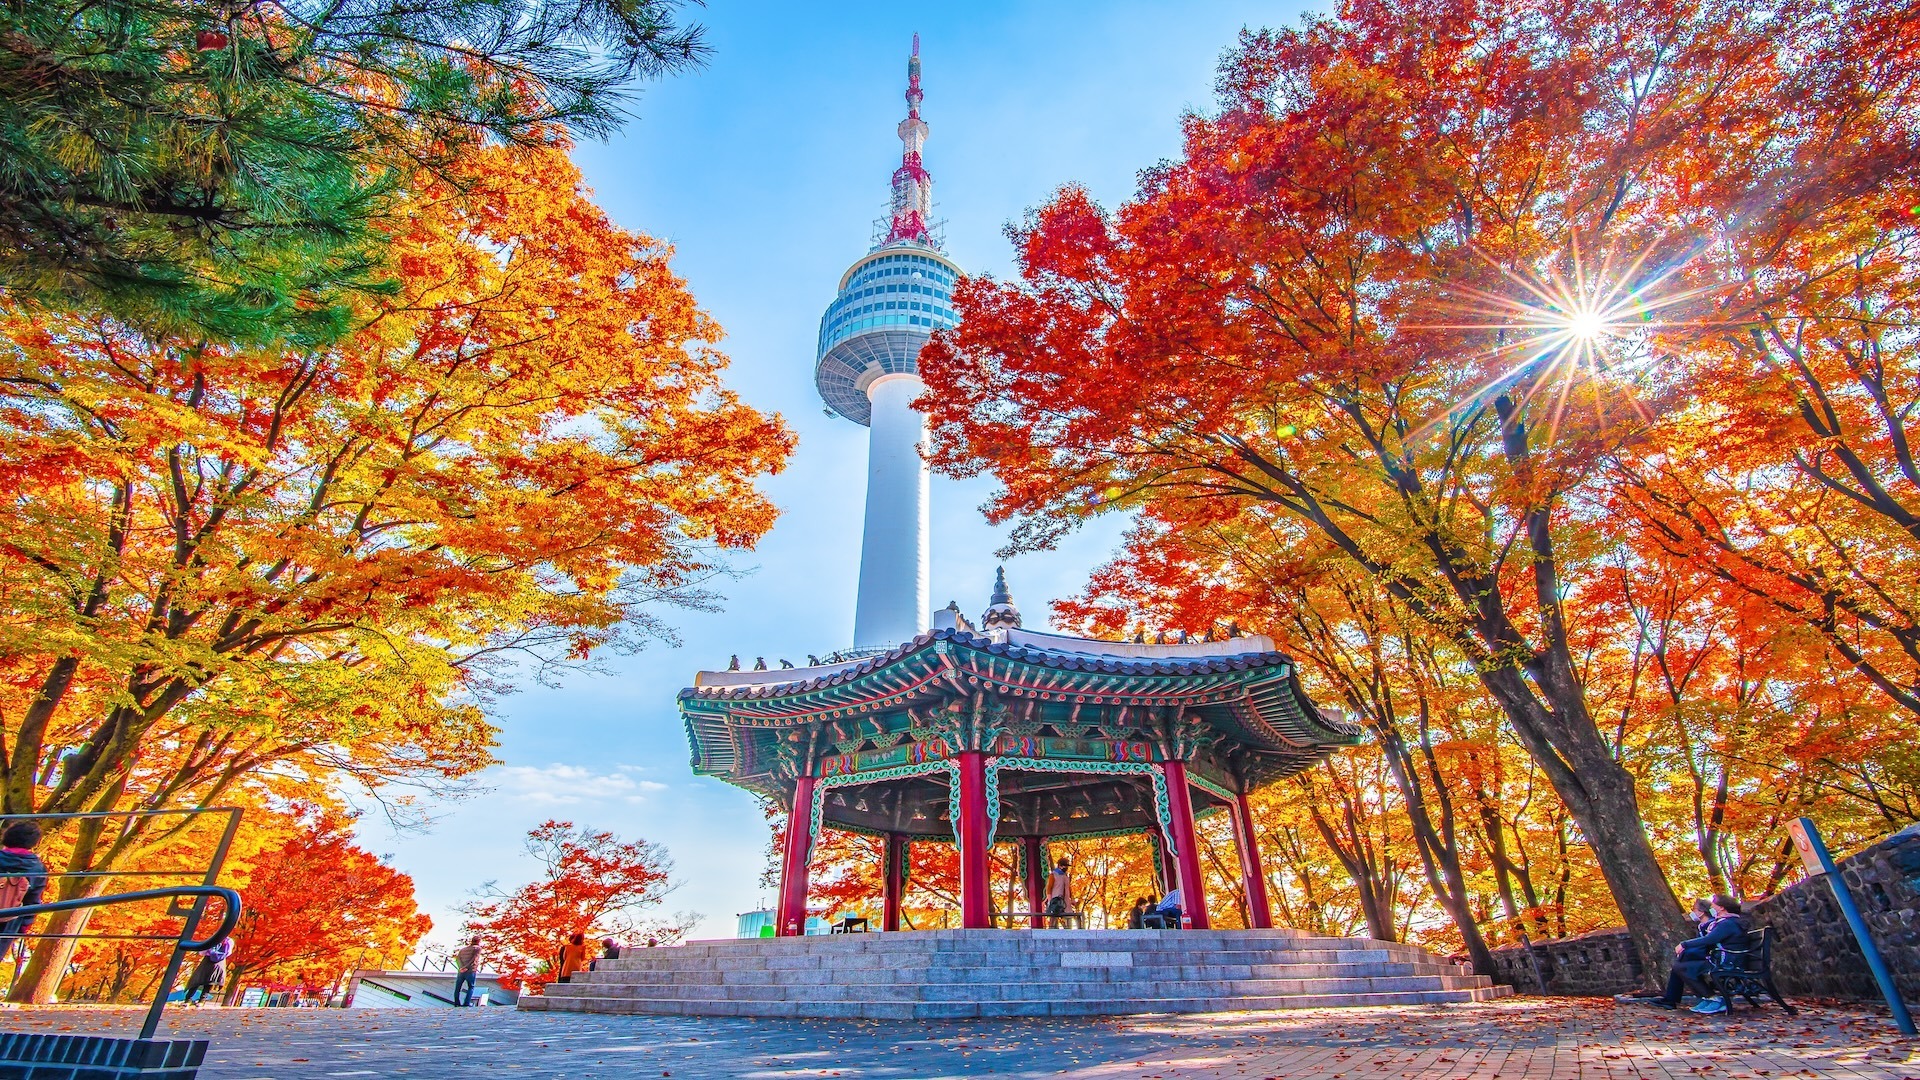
column 1259, row 691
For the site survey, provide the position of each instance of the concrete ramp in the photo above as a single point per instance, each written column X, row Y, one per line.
column 373, row 989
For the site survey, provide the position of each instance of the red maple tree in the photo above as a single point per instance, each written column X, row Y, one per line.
column 316, row 905
column 592, row 883
column 1436, row 273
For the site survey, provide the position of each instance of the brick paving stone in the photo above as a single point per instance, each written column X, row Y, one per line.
column 1523, row 1039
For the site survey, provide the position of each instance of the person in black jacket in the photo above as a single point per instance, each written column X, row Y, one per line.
column 18, row 863
column 1691, row 956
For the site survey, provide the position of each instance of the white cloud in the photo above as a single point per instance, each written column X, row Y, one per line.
column 572, row 785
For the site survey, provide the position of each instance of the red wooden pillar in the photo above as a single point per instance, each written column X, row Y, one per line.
column 1193, row 893
column 790, row 914
column 1036, row 855
column 1259, row 911
column 894, row 880
column 976, row 876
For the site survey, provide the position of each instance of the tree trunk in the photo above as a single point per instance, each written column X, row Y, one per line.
column 1599, row 794
column 1374, row 888
column 1235, row 889
column 46, row 967
column 1523, row 873
column 1439, row 854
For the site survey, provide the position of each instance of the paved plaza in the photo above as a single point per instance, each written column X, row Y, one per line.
column 1558, row 1039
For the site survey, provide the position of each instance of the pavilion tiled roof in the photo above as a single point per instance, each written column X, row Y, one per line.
column 1050, row 658
column 1254, row 696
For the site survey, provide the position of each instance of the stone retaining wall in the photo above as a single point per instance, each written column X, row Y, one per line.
column 1817, row 956
column 1590, row 965
column 1814, row 955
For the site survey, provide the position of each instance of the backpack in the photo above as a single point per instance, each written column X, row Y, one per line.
column 13, row 891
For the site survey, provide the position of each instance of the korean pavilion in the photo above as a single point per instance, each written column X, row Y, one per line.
column 969, row 736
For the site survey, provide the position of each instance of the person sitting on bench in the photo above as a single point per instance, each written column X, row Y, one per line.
column 1691, row 957
column 1167, row 915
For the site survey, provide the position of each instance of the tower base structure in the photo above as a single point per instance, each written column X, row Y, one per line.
column 961, row 974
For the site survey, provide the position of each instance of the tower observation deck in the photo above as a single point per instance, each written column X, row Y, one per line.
column 890, row 302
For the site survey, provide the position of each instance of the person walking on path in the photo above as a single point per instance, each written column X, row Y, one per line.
column 573, row 956
column 1057, row 905
column 466, row 972
column 209, row 974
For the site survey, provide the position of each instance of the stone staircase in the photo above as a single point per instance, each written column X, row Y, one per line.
column 951, row 974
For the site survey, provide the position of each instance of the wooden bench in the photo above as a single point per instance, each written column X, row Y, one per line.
column 846, row 926
column 1077, row 918
column 1746, row 971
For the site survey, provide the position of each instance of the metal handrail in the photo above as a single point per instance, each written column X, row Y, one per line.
column 200, row 894
column 187, row 902
column 229, row 915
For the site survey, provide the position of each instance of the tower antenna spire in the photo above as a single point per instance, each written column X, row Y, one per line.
column 911, row 207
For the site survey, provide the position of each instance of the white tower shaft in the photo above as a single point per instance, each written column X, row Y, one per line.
column 894, row 548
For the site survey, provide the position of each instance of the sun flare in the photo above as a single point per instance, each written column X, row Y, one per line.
column 1587, row 325
column 1553, row 330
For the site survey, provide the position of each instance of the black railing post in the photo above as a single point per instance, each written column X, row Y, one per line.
column 172, row 971
column 186, row 943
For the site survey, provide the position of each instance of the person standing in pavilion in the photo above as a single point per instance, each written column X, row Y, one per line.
column 1168, row 912
column 1058, row 903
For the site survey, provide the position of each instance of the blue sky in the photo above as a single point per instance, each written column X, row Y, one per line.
column 765, row 170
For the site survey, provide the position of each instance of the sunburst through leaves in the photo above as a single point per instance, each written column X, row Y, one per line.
column 1555, row 330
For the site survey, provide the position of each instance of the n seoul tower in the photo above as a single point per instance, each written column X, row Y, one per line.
column 890, row 302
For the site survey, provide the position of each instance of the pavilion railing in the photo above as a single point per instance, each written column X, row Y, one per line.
column 187, row 900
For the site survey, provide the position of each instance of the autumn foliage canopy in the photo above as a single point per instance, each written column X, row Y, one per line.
column 263, row 575
column 1544, row 376
column 317, row 905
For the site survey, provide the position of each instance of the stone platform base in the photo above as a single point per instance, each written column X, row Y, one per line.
column 948, row 974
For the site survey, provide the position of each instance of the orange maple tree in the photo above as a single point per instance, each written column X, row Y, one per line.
column 222, row 559
column 317, row 904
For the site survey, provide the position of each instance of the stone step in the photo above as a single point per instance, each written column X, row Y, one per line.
column 1034, row 991
column 1141, row 957
column 1026, row 941
column 1118, row 940
column 1015, row 973
column 926, row 1010
column 1105, row 977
